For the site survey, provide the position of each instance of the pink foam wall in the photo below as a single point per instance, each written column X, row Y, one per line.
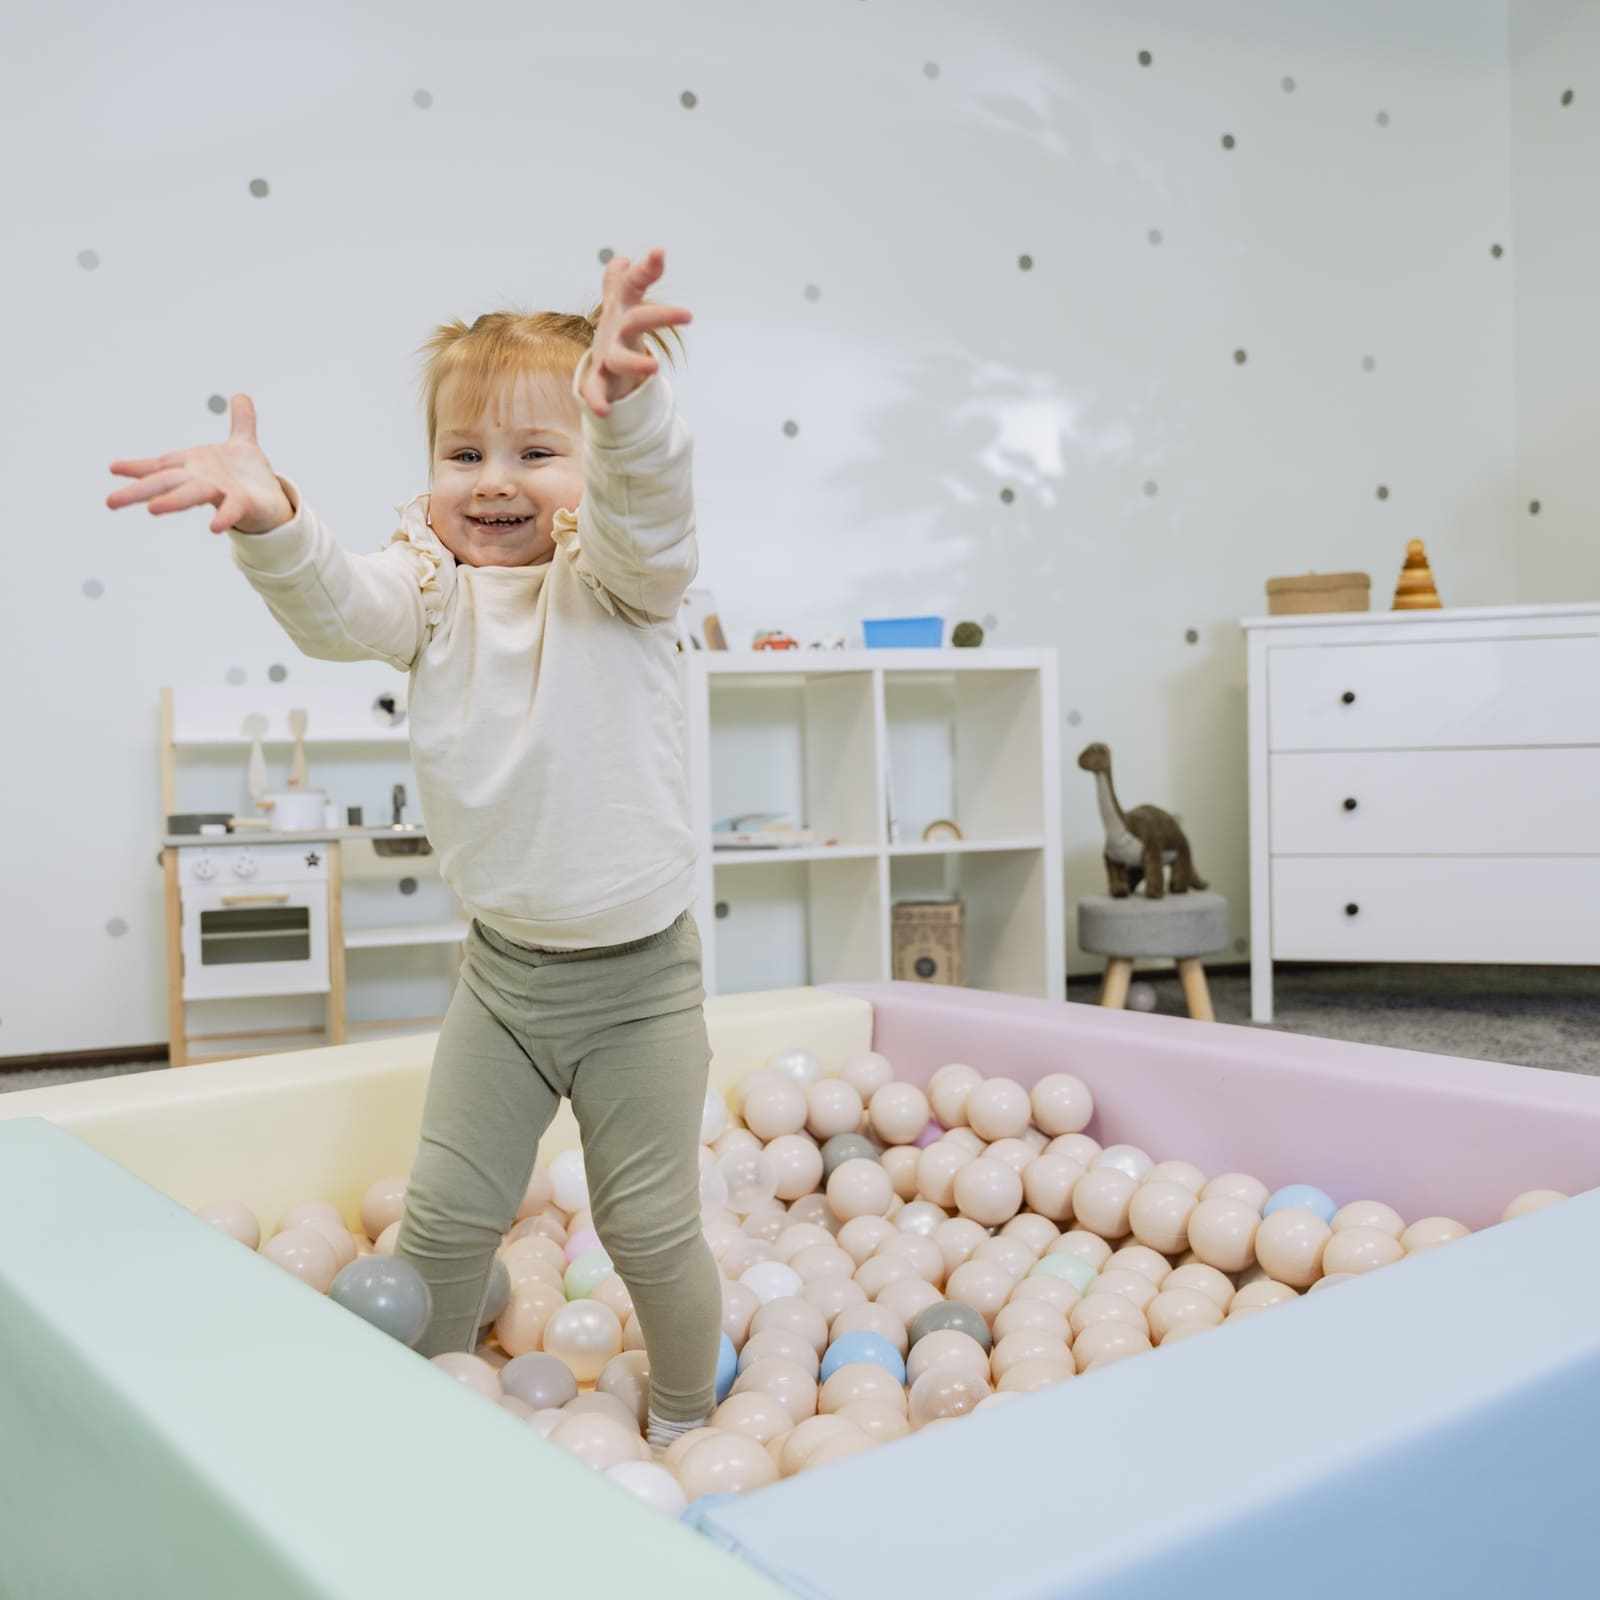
column 1428, row 1134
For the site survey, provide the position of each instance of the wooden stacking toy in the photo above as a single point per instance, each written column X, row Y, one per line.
column 1416, row 591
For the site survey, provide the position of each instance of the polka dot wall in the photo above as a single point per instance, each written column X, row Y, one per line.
column 1082, row 327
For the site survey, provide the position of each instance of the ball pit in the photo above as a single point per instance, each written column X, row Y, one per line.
column 987, row 1302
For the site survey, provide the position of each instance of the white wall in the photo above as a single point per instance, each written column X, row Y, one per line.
column 1555, row 143
column 899, row 158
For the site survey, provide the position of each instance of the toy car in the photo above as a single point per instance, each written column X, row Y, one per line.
column 776, row 639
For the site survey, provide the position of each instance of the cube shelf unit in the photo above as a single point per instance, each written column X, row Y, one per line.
column 866, row 748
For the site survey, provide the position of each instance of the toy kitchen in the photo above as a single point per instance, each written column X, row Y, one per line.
column 272, row 891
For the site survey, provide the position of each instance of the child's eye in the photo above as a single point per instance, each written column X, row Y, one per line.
column 543, row 455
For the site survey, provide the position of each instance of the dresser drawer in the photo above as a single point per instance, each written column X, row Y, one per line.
column 1439, row 692
column 1510, row 910
column 1436, row 802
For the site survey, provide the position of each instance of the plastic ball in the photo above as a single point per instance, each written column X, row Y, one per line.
column 998, row 1108
column 1064, row 1264
column 597, row 1441
column 727, row 1367
column 1300, row 1197
column 799, row 1066
column 650, row 1483
column 383, row 1203
column 951, row 1314
column 859, row 1188
column 580, row 1243
column 1141, row 997
column 1355, row 1250
column 946, row 1390
column 498, row 1293
column 775, row 1106
column 855, row 1347
column 948, row 1090
column 471, row 1373
column 713, row 1116
column 1128, row 1158
column 753, row 1414
column 867, row 1073
column 539, row 1380
column 1100, row 1201
column 236, row 1219
column 569, row 1182
column 1222, row 1232
column 1369, row 1214
column 988, row 1191
column 898, row 1112
column 1530, row 1201
column 584, row 1273
column 389, row 1294
column 726, row 1463
column 846, row 1147
column 751, row 1179
column 1289, row 1246
column 1426, row 1233
column 771, row 1280
column 1062, row 1104
column 584, row 1335
column 1159, row 1216
column 305, row 1254
column 832, row 1107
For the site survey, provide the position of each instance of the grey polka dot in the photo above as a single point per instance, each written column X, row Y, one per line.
column 422, row 99
column 1241, row 945
column 1496, row 251
column 1288, row 85
column 1240, row 357
column 812, row 292
column 1383, row 119
column 1533, row 508
column 1566, row 97
column 1074, row 718
column 116, row 927
column 161, row 858
column 930, row 69
column 1154, row 236
column 258, row 187
column 791, row 429
column 88, row 260
column 1025, row 262
column 1227, row 141
column 1152, row 488
column 606, row 254
column 277, row 672
column 235, row 675
column 689, row 99
column 217, row 403
column 1191, row 636
column 1145, row 58
column 989, row 622
column 1367, row 363
column 1383, row 491
column 722, row 908
column 408, row 886
column 1007, row 496
column 93, row 588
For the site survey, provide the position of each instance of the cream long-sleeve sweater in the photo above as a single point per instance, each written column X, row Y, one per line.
column 545, row 714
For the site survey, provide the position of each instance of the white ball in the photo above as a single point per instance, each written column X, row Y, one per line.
column 1141, row 997
column 1127, row 1158
column 651, row 1483
column 772, row 1280
column 714, row 1118
column 569, row 1182
column 800, row 1066
column 867, row 1073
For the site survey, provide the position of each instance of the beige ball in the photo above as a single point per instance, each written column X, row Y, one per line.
column 1529, row 1201
column 238, row 1221
column 833, row 1106
column 1106, row 1342
column 937, row 1169
column 1261, row 1294
column 1132, row 1286
column 794, row 1315
column 754, row 1415
column 739, row 1306
column 1051, row 1290
column 859, row 1188
column 944, row 1347
column 867, row 1073
column 1038, row 1373
column 385, row 1201
column 839, row 1448
column 1237, row 1186
column 987, row 1191
column 957, row 1239
column 778, row 1342
column 880, row 1421
column 1078, row 1147
column 1014, row 1153
column 599, row 1441
column 1183, row 1173
column 1369, row 1214
column 900, row 1162
column 304, row 1253
column 1097, row 1308
column 1029, row 1344
column 673, row 1456
column 519, row 1329
column 774, row 1108
column 1289, row 1246
column 859, row 1381
column 808, row 1436
column 585, row 1335
column 1061, row 1104
column 385, row 1242
column 908, row 1298
column 298, row 1216
column 471, row 1373
column 948, row 1090
column 1102, row 1199
column 926, row 1258
column 898, row 1112
column 1174, row 1308
column 726, row 1463
column 800, row 1236
column 998, row 1108
column 1427, row 1233
column 797, row 1163
column 1197, row 1275
column 1047, row 1185
column 837, row 1293
column 1037, row 1233
column 1090, row 1246
column 1355, row 1250
column 1140, row 1258
column 966, row 1139
column 1011, row 1254
column 860, row 1237
column 1222, row 1232
column 786, row 1381
column 1033, row 1315
column 873, row 1317
column 821, row 1261
column 876, row 1275
column 982, row 1285
column 1159, row 1215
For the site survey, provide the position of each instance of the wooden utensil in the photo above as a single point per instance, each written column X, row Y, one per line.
column 255, row 725
column 297, row 764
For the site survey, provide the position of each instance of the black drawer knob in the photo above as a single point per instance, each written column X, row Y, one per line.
column 1351, row 909
column 1349, row 697
column 1350, row 803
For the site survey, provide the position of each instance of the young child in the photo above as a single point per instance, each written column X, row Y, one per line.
column 532, row 595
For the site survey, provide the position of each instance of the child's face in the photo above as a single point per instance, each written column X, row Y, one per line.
column 522, row 458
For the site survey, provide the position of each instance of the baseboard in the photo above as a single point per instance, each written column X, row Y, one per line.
column 85, row 1058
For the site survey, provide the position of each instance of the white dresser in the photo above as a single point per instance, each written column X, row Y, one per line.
column 1424, row 786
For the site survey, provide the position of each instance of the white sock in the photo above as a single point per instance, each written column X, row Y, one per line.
column 662, row 1433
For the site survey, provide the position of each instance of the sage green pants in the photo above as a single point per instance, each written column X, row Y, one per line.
column 621, row 1032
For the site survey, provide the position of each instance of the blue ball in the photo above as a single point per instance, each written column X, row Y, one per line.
column 727, row 1368
column 1302, row 1197
column 863, row 1346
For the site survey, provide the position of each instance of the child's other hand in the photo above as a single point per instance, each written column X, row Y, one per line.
column 235, row 476
column 620, row 362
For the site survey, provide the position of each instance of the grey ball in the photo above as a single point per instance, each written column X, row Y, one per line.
column 844, row 1147
column 539, row 1380
column 499, row 1291
column 388, row 1293
column 951, row 1314
column 1141, row 997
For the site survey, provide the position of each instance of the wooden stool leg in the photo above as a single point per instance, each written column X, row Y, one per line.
column 1114, row 990
column 1193, row 977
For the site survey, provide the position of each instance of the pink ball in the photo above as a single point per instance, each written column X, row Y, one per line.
column 583, row 1239
column 929, row 1135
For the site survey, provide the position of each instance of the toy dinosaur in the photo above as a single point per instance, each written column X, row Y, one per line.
column 1141, row 843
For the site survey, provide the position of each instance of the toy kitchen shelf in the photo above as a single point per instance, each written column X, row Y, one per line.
column 256, row 920
column 866, row 749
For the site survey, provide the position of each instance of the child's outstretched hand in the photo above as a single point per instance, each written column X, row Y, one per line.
column 619, row 362
column 235, row 476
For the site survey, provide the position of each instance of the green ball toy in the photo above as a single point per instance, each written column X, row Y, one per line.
column 585, row 1272
column 1073, row 1268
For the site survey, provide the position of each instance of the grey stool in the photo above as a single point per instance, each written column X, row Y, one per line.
column 1181, row 927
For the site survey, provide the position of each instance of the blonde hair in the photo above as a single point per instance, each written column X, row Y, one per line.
column 507, row 345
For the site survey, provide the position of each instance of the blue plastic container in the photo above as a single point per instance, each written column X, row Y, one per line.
column 904, row 633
